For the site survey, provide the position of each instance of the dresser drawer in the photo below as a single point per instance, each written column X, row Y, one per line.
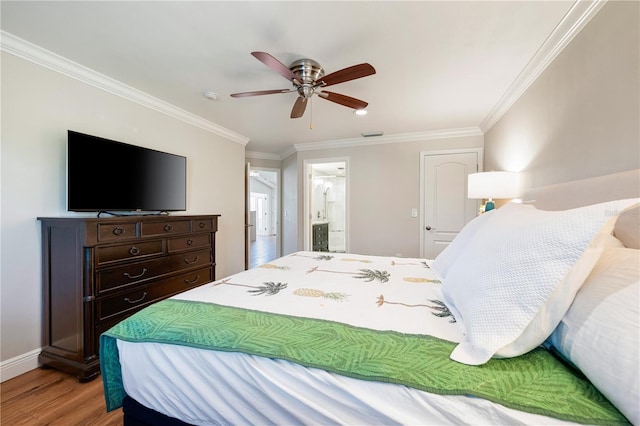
column 189, row 243
column 203, row 225
column 116, row 231
column 133, row 300
column 135, row 273
column 140, row 249
column 168, row 227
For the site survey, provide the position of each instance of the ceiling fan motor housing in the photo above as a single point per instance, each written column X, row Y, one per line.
column 308, row 72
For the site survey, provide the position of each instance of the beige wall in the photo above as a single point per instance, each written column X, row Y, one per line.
column 384, row 185
column 38, row 106
column 580, row 118
column 263, row 162
column 291, row 193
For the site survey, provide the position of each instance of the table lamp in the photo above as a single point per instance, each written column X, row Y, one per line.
column 490, row 185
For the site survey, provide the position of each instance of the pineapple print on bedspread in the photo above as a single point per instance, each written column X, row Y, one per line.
column 312, row 292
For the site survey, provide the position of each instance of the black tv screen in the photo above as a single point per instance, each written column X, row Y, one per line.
column 105, row 175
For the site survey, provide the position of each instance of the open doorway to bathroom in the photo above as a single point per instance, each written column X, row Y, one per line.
column 263, row 215
column 326, row 196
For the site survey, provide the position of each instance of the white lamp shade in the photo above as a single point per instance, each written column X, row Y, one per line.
column 498, row 185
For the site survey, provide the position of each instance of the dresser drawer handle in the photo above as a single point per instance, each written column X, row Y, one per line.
column 195, row 280
column 118, row 231
column 133, row 277
column 202, row 225
column 191, row 262
column 168, row 227
column 137, row 300
column 189, row 242
column 133, row 251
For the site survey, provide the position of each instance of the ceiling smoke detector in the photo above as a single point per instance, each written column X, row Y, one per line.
column 212, row 96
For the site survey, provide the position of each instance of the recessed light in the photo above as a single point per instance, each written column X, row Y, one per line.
column 213, row 96
column 360, row 112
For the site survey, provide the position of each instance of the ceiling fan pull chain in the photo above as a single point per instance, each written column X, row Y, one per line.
column 311, row 113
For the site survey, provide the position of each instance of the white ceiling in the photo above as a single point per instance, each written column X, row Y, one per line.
column 440, row 65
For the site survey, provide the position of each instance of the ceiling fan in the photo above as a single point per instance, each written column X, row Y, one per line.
column 307, row 76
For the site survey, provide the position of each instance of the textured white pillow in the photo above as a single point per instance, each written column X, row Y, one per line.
column 518, row 275
column 627, row 228
column 600, row 332
column 451, row 253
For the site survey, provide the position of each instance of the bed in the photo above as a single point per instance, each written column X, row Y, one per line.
column 536, row 326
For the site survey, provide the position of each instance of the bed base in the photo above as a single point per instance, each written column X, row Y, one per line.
column 136, row 414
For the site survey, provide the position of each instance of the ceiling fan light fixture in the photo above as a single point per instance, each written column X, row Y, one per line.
column 360, row 112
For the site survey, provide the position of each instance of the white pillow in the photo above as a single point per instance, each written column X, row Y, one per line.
column 448, row 256
column 518, row 275
column 627, row 227
column 600, row 332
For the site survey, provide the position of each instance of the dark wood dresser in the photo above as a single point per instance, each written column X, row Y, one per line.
column 98, row 271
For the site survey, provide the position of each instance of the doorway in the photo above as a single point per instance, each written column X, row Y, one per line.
column 263, row 202
column 326, row 192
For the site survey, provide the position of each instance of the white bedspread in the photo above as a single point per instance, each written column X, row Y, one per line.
column 208, row 387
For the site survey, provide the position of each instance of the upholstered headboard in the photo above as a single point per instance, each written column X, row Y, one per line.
column 599, row 189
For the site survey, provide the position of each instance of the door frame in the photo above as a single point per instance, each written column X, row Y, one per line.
column 276, row 206
column 423, row 154
column 306, row 213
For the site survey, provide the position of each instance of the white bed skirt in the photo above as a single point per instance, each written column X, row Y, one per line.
column 204, row 387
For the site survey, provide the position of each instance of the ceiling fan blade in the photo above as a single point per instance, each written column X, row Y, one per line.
column 347, row 74
column 347, row 101
column 261, row 92
column 275, row 65
column 299, row 107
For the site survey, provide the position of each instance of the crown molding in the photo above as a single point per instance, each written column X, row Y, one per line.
column 262, row 155
column 572, row 23
column 36, row 54
column 397, row 138
column 374, row 140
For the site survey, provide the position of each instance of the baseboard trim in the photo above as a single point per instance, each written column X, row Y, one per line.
column 19, row 365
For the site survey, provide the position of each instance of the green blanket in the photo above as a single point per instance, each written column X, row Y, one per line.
column 536, row 382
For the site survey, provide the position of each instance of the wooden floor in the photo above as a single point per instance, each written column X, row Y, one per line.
column 263, row 250
column 50, row 397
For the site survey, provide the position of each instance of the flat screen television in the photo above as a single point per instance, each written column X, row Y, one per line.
column 109, row 176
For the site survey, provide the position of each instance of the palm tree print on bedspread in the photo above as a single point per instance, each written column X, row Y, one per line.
column 328, row 257
column 268, row 288
column 423, row 264
column 320, row 257
column 440, row 309
column 368, row 275
column 421, row 280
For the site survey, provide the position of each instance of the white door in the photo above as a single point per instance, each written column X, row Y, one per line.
column 446, row 208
